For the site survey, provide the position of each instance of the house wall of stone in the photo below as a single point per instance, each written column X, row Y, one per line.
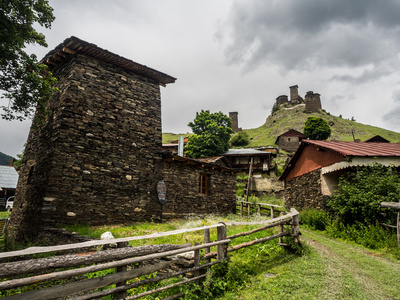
column 305, row 191
column 289, row 143
column 96, row 160
column 183, row 197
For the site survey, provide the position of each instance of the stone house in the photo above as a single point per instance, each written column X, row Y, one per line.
column 197, row 187
column 98, row 159
column 290, row 140
column 312, row 174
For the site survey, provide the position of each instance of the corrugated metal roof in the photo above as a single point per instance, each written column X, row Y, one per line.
column 74, row 45
column 8, row 177
column 245, row 152
column 358, row 149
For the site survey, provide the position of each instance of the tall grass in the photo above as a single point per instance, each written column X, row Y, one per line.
column 372, row 236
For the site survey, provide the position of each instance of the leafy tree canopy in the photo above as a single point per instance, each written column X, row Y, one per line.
column 316, row 128
column 360, row 193
column 212, row 132
column 240, row 139
column 22, row 81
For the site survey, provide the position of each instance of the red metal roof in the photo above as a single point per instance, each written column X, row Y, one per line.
column 358, row 149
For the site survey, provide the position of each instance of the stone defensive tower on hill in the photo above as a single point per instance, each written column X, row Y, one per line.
column 312, row 100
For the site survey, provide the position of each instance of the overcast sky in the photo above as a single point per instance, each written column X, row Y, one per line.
column 241, row 55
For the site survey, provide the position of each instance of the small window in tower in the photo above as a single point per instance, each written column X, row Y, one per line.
column 203, row 184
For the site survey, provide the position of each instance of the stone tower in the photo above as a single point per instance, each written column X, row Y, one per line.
column 235, row 123
column 313, row 102
column 96, row 159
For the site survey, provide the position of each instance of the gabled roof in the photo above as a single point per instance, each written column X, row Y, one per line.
column 377, row 139
column 73, row 45
column 345, row 149
column 8, row 177
column 290, row 133
column 356, row 149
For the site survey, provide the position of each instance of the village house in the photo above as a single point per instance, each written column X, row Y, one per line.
column 97, row 159
column 290, row 140
column 8, row 183
column 197, row 187
column 312, row 174
column 240, row 160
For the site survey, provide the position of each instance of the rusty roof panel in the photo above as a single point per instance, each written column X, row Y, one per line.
column 358, row 149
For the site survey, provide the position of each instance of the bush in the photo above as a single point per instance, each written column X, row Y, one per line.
column 240, row 139
column 360, row 193
column 315, row 219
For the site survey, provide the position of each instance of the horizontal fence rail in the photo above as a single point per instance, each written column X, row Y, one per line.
column 98, row 273
column 260, row 208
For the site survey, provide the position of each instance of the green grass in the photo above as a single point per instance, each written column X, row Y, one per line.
column 169, row 137
column 342, row 129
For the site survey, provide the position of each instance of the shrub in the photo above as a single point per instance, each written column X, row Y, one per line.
column 315, row 219
column 240, row 139
column 360, row 193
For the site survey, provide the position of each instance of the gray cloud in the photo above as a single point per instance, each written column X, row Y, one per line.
column 304, row 35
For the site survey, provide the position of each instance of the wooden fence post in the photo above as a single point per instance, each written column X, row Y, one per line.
column 222, row 249
column 248, row 209
column 296, row 228
column 272, row 212
column 259, row 209
column 280, row 229
column 241, row 209
column 207, row 240
column 121, row 295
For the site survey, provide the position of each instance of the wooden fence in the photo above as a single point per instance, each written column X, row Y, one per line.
column 259, row 208
column 74, row 275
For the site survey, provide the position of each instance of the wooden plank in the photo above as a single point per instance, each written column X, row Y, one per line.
column 38, row 250
column 89, row 284
column 393, row 205
column 73, row 260
column 282, row 222
column 137, row 284
column 76, row 272
column 165, row 287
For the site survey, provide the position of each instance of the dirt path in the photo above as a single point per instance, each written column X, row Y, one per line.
column 349, row 269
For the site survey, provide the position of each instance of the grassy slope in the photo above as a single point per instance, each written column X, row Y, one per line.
column 294, row 118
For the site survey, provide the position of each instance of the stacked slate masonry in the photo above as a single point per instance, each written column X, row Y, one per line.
column 183, row 174
column 97, row 158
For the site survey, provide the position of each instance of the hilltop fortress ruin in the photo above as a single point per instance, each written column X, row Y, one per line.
column 311, row 100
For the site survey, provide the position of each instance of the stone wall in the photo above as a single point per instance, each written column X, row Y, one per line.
column 183, row 197
column 96, row 159
column 289, row 143
column 260, row 186
column 305, row 191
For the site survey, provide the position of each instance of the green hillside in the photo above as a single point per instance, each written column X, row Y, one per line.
column 295, row 117
column 5, row 159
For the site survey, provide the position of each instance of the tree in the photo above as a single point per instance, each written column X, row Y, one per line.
column 316, row 128
column 212, row 132
column 24, row 82
column 240, row 139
